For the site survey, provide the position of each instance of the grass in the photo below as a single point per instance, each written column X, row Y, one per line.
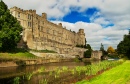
column 117, row 75
column 17, row 54
column 21, row 54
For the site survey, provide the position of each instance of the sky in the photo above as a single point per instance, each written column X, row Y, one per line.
column 104, row 21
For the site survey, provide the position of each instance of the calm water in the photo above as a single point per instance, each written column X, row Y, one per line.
column 8, row 74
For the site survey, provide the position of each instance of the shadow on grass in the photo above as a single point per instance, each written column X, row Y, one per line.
column 18, row 50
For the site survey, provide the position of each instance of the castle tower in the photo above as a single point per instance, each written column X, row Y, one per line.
column 25, row 18
column 44, row 15
column 82, row 37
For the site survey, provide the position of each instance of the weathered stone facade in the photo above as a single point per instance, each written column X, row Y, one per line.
column 41, row 34
column 96, row 54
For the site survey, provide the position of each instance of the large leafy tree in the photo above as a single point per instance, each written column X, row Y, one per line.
column 10, row 29
column 87, row 53
column 123, row 48
column 110, row 49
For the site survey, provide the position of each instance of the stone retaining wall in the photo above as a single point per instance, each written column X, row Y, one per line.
column 52, row 55
column 30, row 62
column 45, row 58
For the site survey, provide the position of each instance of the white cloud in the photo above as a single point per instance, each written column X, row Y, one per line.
column 101, row 20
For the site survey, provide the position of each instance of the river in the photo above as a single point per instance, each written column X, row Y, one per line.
column 7, row 74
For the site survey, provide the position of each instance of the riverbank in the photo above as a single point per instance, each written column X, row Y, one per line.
column 23, row 57
column 116, row 75
column 65, row 73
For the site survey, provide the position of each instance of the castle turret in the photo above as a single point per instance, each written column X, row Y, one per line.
column 82, row 37
column 60, row 24
column 44, row 15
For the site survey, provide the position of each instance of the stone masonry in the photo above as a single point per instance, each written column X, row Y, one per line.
column 96, row 54
column 40, row 34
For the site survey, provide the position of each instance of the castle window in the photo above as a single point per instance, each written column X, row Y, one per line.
column 41, row 28
column 18, row 14
column 29, row 24
column 29, row 16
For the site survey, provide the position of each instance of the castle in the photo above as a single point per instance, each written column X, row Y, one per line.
column 41, row 34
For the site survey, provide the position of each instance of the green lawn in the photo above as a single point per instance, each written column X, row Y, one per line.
column 116, row 75
column 17, row 55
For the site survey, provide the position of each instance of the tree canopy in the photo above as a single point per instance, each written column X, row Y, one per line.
column 110, row 49
column 103, row 50
column 87, row 53
column 102, row 47
column 123, row 48
column 10, row 29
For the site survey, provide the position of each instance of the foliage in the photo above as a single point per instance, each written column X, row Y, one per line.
column 102, row 49
column 113, row 76
column 123, row 48
column 113, row 55
column 110, row 49
column 87, row 53
column 16, row 80
column 64, row 73
column 80, row 46
column 20, row 62
column 28, row 76
column 10, row 29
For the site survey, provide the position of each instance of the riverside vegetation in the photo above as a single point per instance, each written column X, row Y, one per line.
column 117, row 75
column 67, row 75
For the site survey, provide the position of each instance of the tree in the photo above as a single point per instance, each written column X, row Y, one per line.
column 102, row 49
column 10, row 29
column 110, row 49
column 87, row 53
column 123, row 48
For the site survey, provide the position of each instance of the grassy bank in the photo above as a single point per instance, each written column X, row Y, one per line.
column 17, row 54
column 117, row 75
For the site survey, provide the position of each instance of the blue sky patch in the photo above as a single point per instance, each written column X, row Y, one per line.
column 108, row 25
column 76, row 16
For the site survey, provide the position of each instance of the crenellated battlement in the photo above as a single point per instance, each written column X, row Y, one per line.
column 22, row 10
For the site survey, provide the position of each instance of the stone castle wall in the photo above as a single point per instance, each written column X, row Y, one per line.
column 41, row 34
column 96, row 54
